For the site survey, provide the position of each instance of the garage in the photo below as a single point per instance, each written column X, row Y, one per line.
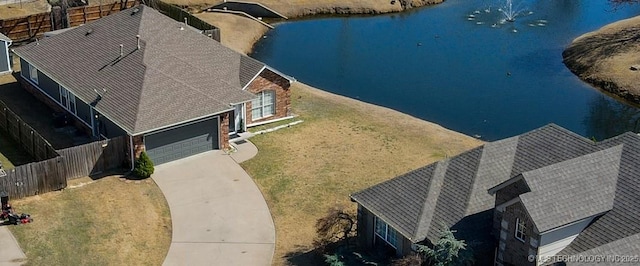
column 182, row 141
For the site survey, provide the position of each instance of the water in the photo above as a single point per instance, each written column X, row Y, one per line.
column 491, row 81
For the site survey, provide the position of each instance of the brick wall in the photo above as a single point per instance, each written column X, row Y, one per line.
column 224, row 130
column 510, row 249
column 53, row 105
column 138, row 145
column 268, row 80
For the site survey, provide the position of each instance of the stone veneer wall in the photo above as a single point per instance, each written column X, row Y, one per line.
column 512, row 251
column 268, row 80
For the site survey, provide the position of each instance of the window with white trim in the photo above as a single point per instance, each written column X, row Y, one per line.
column 68, row 100
column 264, row 105
column 33, row 74
column 520, row 230
column 386, row 232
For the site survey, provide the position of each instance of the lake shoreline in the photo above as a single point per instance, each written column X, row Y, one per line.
column 242, row 34
column 606, row 59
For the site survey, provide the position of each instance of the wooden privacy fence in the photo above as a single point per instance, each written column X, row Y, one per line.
column 52, row 174
column 81, row 15
column 94, row 158
column 34, row 178
column 178, row 14
column 32, row 142
column 34, row 26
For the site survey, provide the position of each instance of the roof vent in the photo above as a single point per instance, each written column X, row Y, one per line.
column 89, row 31
column 135, row 11
column 138, row 41
column 121, row 50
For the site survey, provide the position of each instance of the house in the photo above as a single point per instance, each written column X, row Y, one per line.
column 5, row 58
column 543, row 197
column 173, row 91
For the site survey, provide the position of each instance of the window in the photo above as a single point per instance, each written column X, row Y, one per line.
column 264, row 105
column 520, row 228
column 33, row 74
column 64, row 96
column 72, row 103
column 68, row 100
column 386, row 232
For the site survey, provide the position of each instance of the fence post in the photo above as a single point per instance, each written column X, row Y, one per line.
column 29, row 26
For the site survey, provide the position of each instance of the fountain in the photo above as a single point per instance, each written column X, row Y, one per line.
column 506, row 13
column 509, row 13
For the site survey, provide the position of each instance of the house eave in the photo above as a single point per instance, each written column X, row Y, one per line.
column 404, row 234
column 182, row 122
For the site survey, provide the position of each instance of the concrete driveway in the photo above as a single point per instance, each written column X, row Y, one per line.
column 218, row 215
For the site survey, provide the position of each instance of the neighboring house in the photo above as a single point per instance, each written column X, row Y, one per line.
column 5, row 58
column 517, row 201
column 174, row 91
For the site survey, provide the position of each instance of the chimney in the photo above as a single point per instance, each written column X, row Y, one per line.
column 138, row 41
column 121, row 50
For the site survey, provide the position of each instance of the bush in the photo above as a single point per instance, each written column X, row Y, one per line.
column 338, row 225
column 143, row 167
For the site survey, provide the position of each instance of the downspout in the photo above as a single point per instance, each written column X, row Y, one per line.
column 131, row 145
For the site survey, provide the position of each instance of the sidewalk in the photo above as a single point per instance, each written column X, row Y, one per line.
column 10, row 252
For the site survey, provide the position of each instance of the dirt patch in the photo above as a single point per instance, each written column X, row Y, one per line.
column 107, row 222
column 605, row 58
column 23, row 8
column 236, row 32
column 342, row 146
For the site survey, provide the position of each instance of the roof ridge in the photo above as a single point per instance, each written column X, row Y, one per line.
column 557, row 127
column 433, row 193
column 143, row 49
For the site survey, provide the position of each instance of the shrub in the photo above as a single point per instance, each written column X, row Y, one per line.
column 338, row 225
column 143, row 167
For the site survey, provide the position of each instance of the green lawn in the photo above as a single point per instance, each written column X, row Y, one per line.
column 11, row 154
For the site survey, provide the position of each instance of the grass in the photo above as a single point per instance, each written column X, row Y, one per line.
column 342, row 146
column 106, row 222
column 11, row 154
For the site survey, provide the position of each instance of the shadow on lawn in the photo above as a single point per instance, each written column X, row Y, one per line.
column 347, row 252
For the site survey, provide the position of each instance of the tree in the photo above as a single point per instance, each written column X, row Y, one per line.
column 143, row 167
column 447, row 251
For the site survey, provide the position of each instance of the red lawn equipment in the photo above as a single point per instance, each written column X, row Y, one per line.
column 8, row 216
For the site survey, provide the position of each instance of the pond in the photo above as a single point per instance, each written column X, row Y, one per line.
column 457, row 64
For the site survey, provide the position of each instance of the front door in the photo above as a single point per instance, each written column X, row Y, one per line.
column 235, row 120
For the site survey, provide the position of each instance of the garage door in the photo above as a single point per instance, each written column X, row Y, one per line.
column 183, row 141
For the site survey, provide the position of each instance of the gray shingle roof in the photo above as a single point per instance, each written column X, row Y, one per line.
column 459, row 198
column 4, row 38
column 399, row 201
column 572, row 190
column 623, row 220
column 177, row 74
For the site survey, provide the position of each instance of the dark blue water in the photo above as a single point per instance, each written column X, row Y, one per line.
column 471, row 76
